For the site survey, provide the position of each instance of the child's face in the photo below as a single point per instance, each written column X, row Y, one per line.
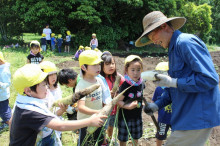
column 93, row 70
column 72, row 83
column 52, row 79
column 41, row 90
column 35, row 49
column 109, row 68
column 134, row 71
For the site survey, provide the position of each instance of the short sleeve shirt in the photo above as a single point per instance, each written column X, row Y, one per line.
column 92, row 100
column 35, row 59
column 25, row 126
column 133, row 92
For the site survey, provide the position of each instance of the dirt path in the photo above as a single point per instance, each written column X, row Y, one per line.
column 149, row 64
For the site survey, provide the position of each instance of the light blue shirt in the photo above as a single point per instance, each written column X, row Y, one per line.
column 5, row 81
column 196, row 100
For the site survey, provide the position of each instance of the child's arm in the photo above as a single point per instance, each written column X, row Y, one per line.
column 84, row 109
column 129, row 106
column 95, row 120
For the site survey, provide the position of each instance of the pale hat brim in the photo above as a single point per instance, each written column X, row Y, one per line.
column 177, row 23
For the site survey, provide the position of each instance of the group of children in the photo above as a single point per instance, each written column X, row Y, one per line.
column 58, row 41
column 37, row 86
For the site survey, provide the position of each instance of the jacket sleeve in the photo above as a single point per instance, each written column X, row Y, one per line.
column 164, row 99
column 6, row 82
column 203, row 76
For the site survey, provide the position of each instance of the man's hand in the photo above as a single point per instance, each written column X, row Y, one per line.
column 150, row 108
column 96, row 120
column 165, row 81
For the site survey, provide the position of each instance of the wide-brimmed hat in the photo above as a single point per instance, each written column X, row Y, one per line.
column 154, row 20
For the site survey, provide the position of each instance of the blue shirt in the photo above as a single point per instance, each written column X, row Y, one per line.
column 59, row 41
column 196, row 100
column 5, row 81
column 43, row 41
column 53, row 41
column 164, row 114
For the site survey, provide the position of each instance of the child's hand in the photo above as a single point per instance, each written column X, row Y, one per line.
column 112, row 94
column 96, row 120
column 133, row 105
column 63, row 107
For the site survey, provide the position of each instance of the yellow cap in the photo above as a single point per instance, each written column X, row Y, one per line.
column 163, row 66
column 36, row 43
column 81, row 47
column 2, row 57
column 94, row 34
column 59, row 35
column 96, row 49
column 27, row 76
column 52, row 34
column 89, row 57
column 68, row 32
column 43, row 35
column 87, row 48
column 48, row 67
column 130, row 58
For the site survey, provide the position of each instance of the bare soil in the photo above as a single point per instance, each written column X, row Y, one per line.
column 149, row 64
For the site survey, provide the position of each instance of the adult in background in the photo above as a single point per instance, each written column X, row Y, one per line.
column 192, row 84
column 47, row 31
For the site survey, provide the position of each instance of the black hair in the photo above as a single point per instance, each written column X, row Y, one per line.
column 55, row 84
column 135, row 60
column 47, row 24
column 107, row 58
column 65, row 74
column 83, row 72
column 34, row 45
column 34, row 88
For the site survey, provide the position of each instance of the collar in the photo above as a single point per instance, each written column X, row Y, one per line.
column 131, row 82
column 173, row 39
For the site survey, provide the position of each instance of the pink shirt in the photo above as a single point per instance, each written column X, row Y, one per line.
column 110, row 85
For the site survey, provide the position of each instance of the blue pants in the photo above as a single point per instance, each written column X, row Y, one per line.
column 5, row 111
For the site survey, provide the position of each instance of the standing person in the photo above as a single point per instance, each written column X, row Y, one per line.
column 5, row 82
column 43, row 42
column 89, row 62
column 35, row 56
column 53, row 41
column 108, row 70
column 55, row 93
column 94, row 42
column 130, row 114
column 47, row 31
column 59, row 42
column 164, row 114
column 192, row 83
column 68, row 39
column 31, row 114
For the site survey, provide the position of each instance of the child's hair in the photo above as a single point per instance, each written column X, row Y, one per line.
column 83, row 72
column 127, row 64
column 65, row 74
column 107, row 59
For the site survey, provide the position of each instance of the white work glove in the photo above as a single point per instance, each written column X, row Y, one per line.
column 150, row 108
column 165, row 81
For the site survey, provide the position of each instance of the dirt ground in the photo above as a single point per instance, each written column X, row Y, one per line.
column 149, row 64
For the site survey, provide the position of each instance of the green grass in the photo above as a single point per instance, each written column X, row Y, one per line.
column 28, row 37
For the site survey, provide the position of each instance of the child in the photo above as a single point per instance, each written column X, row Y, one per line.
column 132, row 112
column 43, row 42
column 55, row 93
column 78, row 52
column 31, row 115
column 35, row 57
column 5, row 82
column 68, row 39
column 108, row 70
column 89, row 62
column 164, row 114
column 53, row 41
column 94, row 42
column 59, row 42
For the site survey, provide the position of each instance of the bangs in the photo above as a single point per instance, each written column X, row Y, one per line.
column 107, row 58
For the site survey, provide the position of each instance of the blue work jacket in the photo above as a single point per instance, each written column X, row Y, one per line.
column 196, row 100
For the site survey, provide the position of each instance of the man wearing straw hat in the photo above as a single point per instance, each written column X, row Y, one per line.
column 192, row 84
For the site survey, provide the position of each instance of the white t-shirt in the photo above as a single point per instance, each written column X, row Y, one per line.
column 47, row 31
column 93, row 100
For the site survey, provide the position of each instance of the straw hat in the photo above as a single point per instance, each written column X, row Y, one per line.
column 154, row 20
